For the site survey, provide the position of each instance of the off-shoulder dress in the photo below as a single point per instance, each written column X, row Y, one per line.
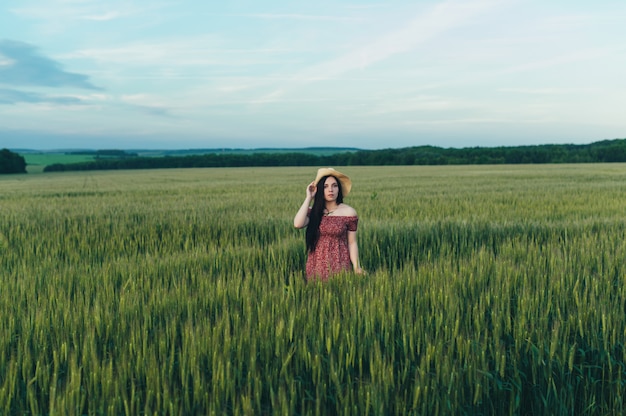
column 332, row 254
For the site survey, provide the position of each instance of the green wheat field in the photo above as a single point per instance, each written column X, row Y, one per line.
column 491, row 290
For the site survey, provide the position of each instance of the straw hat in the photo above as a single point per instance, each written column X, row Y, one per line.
column 346, row 183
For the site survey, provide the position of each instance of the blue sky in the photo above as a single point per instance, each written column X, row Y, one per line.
column 277, row 73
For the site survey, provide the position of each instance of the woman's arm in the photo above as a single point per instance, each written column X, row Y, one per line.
column 301, row 219
column 354, row 252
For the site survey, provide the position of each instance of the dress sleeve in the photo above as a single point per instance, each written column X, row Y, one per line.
column 352, row 223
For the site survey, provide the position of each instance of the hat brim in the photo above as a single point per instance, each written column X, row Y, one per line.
column 346, row 183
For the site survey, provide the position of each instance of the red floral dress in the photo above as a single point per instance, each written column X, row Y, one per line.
column 331, row 255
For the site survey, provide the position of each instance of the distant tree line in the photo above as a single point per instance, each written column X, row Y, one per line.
column 103, row 153
column 11, row 162
column 602, row 151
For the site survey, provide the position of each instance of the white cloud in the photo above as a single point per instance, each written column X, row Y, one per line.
column 6, row 61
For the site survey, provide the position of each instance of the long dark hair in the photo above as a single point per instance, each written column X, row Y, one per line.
column 317, row 212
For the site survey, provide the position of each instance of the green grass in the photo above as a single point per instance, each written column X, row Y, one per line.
column 491, row 290
column 36, row 162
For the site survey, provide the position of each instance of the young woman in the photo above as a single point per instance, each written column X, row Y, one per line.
column 331, row 226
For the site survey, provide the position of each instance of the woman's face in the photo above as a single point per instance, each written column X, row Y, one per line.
column 331, row 189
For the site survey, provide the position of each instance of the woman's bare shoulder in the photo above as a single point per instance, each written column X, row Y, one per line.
column 347, row 210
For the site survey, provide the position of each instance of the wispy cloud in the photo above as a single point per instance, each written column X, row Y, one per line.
column 55, row 17
column 568, row 58
column 103, row 16
column 24, row 65
column 298, row 16
column 366, row 6
column 421, row 28
column 475, row 120
column 12, row 96
column 546, row 91
column 200, row 51
column 419, row 104
column 73, row 11
column 577, row 21
column 147, row 104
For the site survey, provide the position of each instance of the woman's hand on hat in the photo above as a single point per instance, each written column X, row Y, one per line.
column 311, row 190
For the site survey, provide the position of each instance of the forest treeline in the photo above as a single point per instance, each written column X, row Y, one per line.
column 104, row 153
column 602, row 151
column 11, row 162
